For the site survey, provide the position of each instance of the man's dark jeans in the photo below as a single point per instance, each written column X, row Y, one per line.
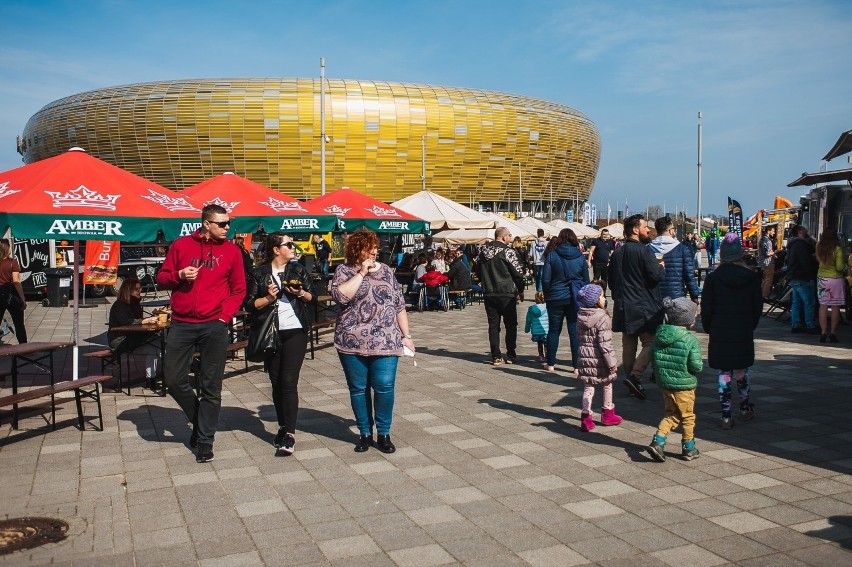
column 211, row 341
column 601, row 273
column 504, row 308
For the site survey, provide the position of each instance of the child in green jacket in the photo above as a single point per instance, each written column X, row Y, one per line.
column 676, row 355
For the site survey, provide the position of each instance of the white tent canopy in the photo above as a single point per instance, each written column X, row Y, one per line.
column 517, row 228
column 616, row 230
column 464, row 236
column 581, row 230
column 537, row 224
column 480, row 235
column 441, row 212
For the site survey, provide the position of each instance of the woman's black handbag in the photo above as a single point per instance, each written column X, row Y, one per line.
column 263, row 338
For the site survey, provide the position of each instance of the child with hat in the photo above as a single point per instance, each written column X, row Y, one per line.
column 731, row 308
column 596, row 363
column 677, row 359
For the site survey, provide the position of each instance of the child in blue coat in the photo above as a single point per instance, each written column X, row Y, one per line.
column 537, row 324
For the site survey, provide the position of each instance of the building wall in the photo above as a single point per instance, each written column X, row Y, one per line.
column 178, row 133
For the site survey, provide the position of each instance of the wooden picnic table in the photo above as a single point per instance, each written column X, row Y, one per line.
column 29, row 353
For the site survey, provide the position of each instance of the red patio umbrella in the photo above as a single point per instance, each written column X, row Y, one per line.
column 74, row 196
column 355, row 210
column 251, row 204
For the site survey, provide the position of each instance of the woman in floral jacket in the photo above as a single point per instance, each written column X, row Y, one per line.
column 369, row 336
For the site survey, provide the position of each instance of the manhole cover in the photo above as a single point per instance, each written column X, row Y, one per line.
column 27, row 533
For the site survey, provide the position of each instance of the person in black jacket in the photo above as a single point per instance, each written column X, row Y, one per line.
column 731, row 305
column 802, row 269
column 459, row 274
column 501, row 276
column 634, row 278
column 127, row 310
column 281, row 278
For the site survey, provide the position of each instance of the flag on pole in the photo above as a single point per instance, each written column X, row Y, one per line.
column 626, row 209
column 608, row 212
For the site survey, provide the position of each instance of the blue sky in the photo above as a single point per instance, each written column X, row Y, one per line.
column 772, row 78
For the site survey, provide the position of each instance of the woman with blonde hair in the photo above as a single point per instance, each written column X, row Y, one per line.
column 11, row 293
column 370, row 335
column 830, row 284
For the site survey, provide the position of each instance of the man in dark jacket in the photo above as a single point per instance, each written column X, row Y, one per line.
column 802, row 272
column 680, row 269
column 599, row 252
column 634, row 277
column 501, row 276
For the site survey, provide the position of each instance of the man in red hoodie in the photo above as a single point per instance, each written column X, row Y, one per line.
column 205, row 273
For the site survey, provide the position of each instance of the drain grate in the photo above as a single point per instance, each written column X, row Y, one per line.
column 28, row 533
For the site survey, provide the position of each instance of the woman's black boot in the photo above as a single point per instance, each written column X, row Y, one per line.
column 364, row 442
column 384, row 444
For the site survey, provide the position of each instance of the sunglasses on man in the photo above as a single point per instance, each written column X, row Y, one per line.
column 221, row 224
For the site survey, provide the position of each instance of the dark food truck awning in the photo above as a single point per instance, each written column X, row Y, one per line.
column 843, row 145
column 824, row 177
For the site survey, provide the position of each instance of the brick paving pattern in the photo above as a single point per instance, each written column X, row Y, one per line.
column 491, row 467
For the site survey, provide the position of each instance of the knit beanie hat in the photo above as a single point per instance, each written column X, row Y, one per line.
column 680, row 312
column 731, row 249
column 589, row 295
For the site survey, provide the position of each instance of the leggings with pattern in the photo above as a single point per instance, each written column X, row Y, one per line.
column 725, row 378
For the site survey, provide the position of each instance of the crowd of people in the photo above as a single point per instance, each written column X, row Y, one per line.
column 652, row 283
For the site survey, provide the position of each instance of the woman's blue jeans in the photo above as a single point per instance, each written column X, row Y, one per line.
column 364, row 373
column 555, row 315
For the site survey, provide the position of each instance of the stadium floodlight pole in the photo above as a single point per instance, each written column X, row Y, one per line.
column 698, row 212
column 520, row 192
column 423, row 161
column 322, row 126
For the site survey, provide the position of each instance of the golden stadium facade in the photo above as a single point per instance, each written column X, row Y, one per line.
column 179, row 133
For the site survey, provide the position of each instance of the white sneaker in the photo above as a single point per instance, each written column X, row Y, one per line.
column 5, row 330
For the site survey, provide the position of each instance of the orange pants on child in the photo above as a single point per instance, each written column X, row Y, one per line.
column 680, row 409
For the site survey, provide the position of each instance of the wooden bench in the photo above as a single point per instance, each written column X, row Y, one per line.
column 80, row 391
column 324, row 327
column 109, row 357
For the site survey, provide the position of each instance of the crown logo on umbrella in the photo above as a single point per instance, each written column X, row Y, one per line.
column 228, row 206
column 280, row 206
column 382, row 212
column 169, row 202
column 337, row 210
column 5, row 191
column 82, row 196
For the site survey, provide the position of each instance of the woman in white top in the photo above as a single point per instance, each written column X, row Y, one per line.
column 281, row 277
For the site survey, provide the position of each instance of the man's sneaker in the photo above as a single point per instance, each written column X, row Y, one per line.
column 497, row 361
column 549, row 368
column 635, row 387
column 510, row 360
column 205, row 453
column 688, row 451
column 279, row 438
column 657, row 449
column 747, row 412
column 727, row 422
column 288, row 446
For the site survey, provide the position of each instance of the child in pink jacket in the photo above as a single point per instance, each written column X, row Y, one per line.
column 596, row 363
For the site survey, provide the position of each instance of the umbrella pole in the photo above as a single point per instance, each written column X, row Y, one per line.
column 75, row 321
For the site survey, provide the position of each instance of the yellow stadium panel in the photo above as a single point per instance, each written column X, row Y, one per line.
column 179, row 133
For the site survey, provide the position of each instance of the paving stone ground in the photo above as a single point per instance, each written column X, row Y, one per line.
column 491, row 467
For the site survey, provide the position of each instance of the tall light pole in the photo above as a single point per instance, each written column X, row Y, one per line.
column 423, row 161
column 520, row 193
column 698, row 212
column 322, row 125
